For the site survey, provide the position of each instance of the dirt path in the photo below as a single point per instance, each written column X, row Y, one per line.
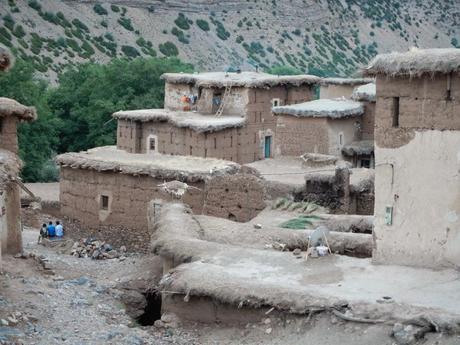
column 80, row 305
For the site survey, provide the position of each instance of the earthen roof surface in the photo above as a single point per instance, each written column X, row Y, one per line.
column 195, row 121
column 243, row 79
column 415, row 62
column 6, row 59
column 330, row 108
column 362, row 147
column 346, row 81
column 10, row 107
column 183, row 168
column 364, row 93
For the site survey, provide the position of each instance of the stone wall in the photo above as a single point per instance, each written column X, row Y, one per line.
column 236, row 197
column 8, row 136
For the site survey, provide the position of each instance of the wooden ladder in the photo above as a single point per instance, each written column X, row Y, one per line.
column 228, row 89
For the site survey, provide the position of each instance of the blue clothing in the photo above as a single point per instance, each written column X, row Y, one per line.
column 51, row 230
column 59, row 230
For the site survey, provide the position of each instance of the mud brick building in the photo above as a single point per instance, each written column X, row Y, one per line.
column 417, row 182
column 219, row 115
column 323, row 126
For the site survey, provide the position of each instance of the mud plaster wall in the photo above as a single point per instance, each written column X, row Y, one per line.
column 129, row 136
column 368, row 121
column 81, row 190
column 235, row 197
column 8, row 134
column 421, row 181
column 10, row 218
column 348, row 128
column 362, row 203
column 424, row 105
column 336, row 91
column 296, row 136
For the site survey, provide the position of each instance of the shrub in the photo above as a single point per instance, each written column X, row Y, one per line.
column 19, row 31
column 180, row 35
column 182, row 22
column 37, row 43
column 203, row 24
column 99, row 9
column 104, row 24
column 88, row 49
column 115, row 8
column 126, row 23
column 454, row 42
column 9, row 22
column 221, row 32
column 297, row 32
column 239, row 39
column 168, row 49
column 35, row 5
column 50, row 17
column 151, row 9
column 73, row 44
column 130, row 51
column 79, row 25
column 62, row 20
column 5, row 37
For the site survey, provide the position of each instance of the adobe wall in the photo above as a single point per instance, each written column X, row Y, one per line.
column 296, row 136
column 80, row 197
column 129, row 136
column 368, row 121
column 421, row 182
column 348, row 127
column 336, row 91
column 236, row 197
column 173, row 95
column 10, row 218
column 423, row 106
column 8, row 135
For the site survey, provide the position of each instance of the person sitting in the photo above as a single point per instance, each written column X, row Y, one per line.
column 43, row 233
column 51, row 230
column 59, row 230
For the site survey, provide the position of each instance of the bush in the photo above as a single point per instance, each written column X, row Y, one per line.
column 37, row 43
column 35, row 5
column 454, row 42
column 5, row 37
column 79, row 25
column 239, row 39
column 180, row 35
column 168, row 49
column 104, row 24
column 130, row 51
column 182, row 22
column 126, row 23
column 203, row 24
column 50, row 17
column 99, row 9
column 115, row 8
column 19, row 31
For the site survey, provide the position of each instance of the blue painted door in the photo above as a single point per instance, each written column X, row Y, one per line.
column 268, row 146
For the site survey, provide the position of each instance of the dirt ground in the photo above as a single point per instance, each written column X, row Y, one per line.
column 80, row 304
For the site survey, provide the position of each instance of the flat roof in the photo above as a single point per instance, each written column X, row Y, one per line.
column 415, row 62
column 183, row 168
column 329, row 108
column 243, row 79
column 365, row 92
column 346, row 81
column 189, row 119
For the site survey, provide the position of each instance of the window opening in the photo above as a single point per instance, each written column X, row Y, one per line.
column 395, row 120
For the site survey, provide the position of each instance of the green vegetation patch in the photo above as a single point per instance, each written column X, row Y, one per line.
column 301, row 222
column 168, row 49
column 183, row 22
column 203, row 24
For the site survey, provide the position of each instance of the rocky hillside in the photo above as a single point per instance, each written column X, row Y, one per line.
column 331, row 37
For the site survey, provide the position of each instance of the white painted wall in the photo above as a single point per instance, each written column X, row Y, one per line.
column 423, row 187
column 349, row 130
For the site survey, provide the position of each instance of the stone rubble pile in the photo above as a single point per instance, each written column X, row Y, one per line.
column 96, row 250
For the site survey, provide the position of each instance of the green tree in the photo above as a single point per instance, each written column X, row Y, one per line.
column 89, row 94
column 37, row 140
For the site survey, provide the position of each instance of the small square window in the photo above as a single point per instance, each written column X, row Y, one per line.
column 276, row 102
column 152, row 144
column 104, row 202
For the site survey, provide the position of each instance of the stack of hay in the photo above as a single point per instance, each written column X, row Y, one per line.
column 96, row 250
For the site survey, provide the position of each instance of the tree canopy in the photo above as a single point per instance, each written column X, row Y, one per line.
column 76, row 114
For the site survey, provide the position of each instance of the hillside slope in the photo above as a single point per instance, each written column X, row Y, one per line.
column 331, row 37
